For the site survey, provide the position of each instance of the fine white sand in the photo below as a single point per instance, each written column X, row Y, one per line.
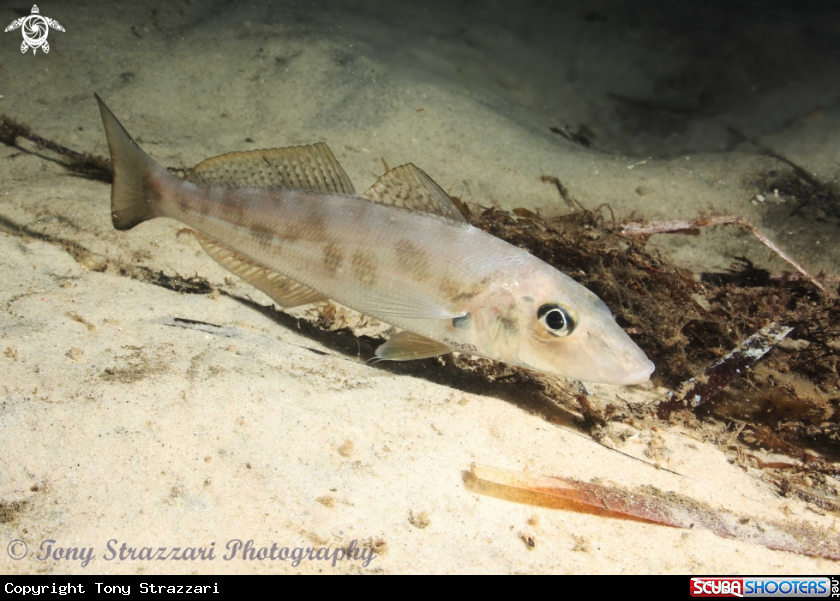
column 119, row 426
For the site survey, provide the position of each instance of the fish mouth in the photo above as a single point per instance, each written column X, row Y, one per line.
column 640, row 375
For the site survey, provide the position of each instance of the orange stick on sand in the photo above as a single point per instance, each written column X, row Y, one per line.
column 668, row 509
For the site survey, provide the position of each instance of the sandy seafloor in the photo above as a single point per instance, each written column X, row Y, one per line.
column 118, row 427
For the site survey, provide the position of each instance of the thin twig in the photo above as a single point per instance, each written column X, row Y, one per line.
column 775, row 155
column 680, row 225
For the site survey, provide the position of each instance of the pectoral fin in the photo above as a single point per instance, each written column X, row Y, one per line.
column 404, row 303
column 405, row 346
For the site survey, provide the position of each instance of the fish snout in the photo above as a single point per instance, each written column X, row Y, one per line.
column 637, row 367
column 639, row 373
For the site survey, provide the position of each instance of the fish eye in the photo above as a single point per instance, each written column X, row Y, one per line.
column 556, row 319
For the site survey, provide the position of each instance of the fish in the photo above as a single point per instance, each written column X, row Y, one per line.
column 289, row 222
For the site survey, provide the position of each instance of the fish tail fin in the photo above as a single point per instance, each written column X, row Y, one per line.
column 134, row 196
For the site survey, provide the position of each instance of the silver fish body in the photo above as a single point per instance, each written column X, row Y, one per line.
column 401, row 253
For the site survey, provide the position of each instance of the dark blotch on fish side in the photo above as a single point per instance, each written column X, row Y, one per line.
column 292, row 232
column 410, row 259
column 364, row 268
column 233, row 206
column 333, row 257
column 261, row 234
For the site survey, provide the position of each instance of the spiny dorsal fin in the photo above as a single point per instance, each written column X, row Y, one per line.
column 409, row 188
column 283, row 291
column 406, row 346
column 312, row 168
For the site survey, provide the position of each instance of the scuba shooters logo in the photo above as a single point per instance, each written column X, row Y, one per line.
column 751, row 586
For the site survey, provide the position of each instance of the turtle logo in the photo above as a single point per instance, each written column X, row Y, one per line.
column 35, row 29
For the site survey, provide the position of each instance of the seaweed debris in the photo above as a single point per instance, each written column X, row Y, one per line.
column 87, row 165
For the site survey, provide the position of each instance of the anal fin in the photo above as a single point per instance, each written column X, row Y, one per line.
column 284, row 291
column 405, row 346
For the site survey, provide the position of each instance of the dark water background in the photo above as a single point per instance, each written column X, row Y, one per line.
column 643, row 80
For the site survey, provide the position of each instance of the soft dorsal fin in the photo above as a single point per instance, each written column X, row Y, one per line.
column 282, row 290
column 406, row 346
column 312, row 168
column 409, row 188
